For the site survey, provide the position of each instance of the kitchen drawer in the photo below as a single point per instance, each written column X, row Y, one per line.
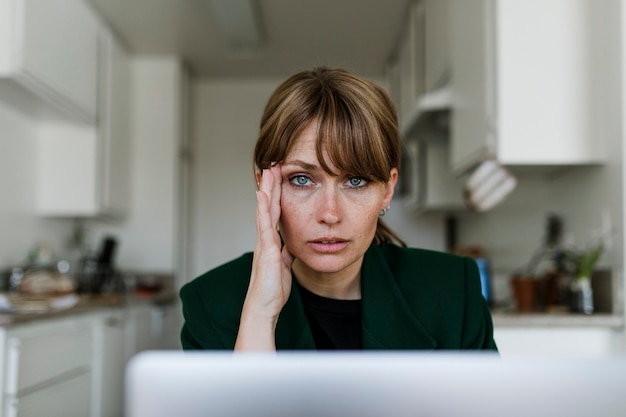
column 68, row 398
column 45, row 355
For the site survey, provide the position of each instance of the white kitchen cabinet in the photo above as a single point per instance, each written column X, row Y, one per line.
column 410, row 64
column 437, row 33
column 110, row 358
column 75, row 365
column 558, row 341
column 120, row 333
column 160, row 160
column 83, row 169
column 67, row 398
column 114, row 126
column 168, row 321
column 50, row 49
column 419, row 70
column 528, row 81
column 47, row 368
column 141, row 331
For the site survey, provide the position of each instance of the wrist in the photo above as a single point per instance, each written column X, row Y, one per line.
column 255, row 333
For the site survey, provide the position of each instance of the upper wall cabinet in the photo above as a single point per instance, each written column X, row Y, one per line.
column 51, row 49
column 84, row 169
column 114, row 126
column 420, row 68
column 532, row 81
column 410, row 64
column 437, row 61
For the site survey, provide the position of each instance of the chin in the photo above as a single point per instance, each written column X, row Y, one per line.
column 328, row 264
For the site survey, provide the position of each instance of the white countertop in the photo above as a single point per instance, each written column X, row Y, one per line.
column 557, row 320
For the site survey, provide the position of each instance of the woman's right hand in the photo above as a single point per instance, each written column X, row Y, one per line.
column 270, row 280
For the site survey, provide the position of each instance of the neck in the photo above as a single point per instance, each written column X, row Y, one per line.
column 342, row 285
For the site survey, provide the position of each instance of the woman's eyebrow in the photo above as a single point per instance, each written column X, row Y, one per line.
column 301, row 164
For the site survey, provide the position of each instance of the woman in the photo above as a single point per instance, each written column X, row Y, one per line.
column 326, row 272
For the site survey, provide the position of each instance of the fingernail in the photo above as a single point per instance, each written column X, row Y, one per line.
column 273, row 164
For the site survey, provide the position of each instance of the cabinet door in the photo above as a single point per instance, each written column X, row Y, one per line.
column 83, row 169
column 551, row 80
column 169, row 321
column 140, row 331
column 68, row 170
column 59, row 52
column 533, row 88
column 47, row 368
column 109, row 364
column 411, row 65
column 472, row 83
column 558, row 341
column 41, row 355
column 68, row 398
column 114, row 127
column 437, row 62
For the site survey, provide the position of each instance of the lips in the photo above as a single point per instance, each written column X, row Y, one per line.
column 328, row 244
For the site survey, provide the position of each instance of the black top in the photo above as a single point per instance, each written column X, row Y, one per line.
column 335, row 324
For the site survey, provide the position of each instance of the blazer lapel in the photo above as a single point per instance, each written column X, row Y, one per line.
column 293, row 330
column 388, row 322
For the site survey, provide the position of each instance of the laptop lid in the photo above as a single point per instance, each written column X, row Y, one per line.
column 194, row 384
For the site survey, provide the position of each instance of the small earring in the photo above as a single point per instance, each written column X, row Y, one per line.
column 383, row 211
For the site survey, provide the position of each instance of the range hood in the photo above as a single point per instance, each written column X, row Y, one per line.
column 435, row 103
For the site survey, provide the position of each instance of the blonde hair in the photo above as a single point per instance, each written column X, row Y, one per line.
column 357, row 127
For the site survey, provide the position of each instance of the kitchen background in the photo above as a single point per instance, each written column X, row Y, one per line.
column 190, row 137
column 135, row 120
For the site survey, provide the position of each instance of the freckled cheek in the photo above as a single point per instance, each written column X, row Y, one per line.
column 288, row 200
column 366, row 205
column 364, row 211
column 292, row 207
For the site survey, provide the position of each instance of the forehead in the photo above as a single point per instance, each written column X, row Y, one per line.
column 304, row 144
column 303, row 152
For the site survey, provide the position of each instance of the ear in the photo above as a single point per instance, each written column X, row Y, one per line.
column 257, row 177
column 389, row 187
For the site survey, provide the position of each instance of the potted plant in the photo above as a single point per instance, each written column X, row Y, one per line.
column 583, row 263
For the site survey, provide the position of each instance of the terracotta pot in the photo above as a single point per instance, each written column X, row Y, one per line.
column 525, row 293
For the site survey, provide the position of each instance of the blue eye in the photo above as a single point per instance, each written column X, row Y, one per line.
column 357, row 182
column 300, row 180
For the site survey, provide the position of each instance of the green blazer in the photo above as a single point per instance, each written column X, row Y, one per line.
column 411, row 299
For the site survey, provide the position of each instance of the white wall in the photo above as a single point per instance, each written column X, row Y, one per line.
column 148, row 234
column 224, row 123
column 224, row 127
column 20, row 227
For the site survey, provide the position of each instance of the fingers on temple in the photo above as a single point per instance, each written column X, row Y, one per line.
column 263, row 217
column 276, row 191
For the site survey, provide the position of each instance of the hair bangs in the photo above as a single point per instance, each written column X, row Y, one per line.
column 351, row 139
column 285, row 120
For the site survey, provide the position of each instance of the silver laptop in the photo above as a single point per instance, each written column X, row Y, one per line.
column 166, row 384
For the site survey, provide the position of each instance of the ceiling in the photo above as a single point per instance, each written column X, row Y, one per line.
column 358, row 35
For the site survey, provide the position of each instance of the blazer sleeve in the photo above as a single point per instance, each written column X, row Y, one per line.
column 477, row 321
column 198, row 331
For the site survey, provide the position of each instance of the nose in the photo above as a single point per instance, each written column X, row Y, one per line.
column 328, row 206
